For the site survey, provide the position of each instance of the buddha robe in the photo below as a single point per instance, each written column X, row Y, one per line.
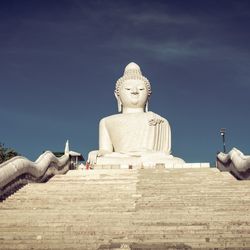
column 135, row 134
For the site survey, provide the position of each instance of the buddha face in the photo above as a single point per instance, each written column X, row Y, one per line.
column 133, row 94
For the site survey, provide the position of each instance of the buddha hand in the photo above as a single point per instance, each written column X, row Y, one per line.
column 92, row 156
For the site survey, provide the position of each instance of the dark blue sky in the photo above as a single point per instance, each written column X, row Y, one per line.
column 60, row 59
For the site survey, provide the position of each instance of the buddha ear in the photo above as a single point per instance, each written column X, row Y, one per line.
column 146, row 107
column 119, row 103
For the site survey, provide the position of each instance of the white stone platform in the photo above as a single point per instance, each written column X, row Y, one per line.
column 161, row 165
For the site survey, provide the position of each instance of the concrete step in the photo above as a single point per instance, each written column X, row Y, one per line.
column 129, row 208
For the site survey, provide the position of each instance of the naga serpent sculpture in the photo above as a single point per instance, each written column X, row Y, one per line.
column 235, row 162
column 18, row 171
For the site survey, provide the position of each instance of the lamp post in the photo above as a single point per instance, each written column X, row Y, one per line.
column 222, row 133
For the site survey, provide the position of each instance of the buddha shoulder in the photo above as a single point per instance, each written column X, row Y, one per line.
column 110, row 119
column 155, row 118
column 150, row 116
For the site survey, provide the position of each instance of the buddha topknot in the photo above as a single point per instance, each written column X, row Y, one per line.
column 132, row 71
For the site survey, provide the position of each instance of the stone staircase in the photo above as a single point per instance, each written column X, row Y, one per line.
column 129, row 209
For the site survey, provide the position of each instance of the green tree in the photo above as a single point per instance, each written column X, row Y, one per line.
column 6, row 153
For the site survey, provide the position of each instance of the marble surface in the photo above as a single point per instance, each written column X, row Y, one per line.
column 134, row 136
column 235, row 162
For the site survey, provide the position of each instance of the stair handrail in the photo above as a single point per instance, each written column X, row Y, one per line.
column 234, row 162
column 19, row 171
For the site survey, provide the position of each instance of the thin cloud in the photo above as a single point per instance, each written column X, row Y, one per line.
column 160, row 18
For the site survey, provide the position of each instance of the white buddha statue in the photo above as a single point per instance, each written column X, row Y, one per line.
column 134, row 136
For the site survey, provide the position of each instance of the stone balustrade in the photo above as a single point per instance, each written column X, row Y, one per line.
column 19, row 171
column 234, row 162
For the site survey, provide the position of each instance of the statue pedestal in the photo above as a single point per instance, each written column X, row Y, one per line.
column 150, row 160
column 158, row 165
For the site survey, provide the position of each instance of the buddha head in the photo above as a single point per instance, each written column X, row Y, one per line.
column 132, row 89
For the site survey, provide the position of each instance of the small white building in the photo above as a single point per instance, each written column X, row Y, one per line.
column 75, row 157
